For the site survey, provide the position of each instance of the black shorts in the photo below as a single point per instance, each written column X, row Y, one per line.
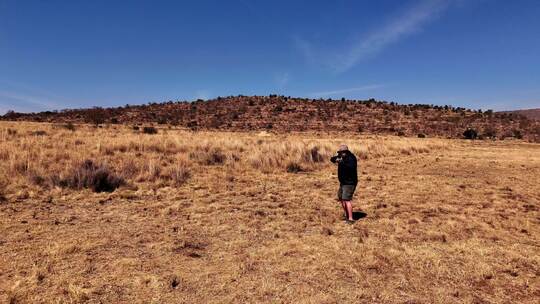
column 345, row 192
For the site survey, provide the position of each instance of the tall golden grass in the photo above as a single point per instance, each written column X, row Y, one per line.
column 48, row 155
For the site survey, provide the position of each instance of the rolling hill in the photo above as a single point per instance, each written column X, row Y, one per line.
column 283, row 114
column 529, row 113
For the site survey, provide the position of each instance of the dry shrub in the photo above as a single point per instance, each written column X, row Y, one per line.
column 69, row 126
column 472, row 134
column 150, row 130
column 313, row 155
column 129, row 169
column 88, row 174
column 209, row 156
column 151, row 171
column 20, row 166
column 4, row 155
column 3, row 189
column 293, row 167
column 179, row 173
column 156, row 147
column 38, row 133
column 107, row 151
column 215, row 157
column 36, row 178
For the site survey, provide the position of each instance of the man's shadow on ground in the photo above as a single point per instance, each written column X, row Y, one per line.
column 358, row 215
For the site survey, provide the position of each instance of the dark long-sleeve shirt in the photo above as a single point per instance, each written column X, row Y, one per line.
column 347, row 171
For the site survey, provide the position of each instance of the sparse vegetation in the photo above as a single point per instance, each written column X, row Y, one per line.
column 69, row 126
column 470, row 134
column 90, row 175
column 95, row 115
column 280, row 113
column 150, row 130
column 3, row 186
column 38, row 133
column 208, row 156
column 293, row 167
column 315, row 155
column 490, row 132
column 179, row 174
column 205, row 209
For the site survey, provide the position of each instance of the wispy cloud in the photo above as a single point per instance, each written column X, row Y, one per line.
column 10, row 100
column 305, row 47
column 25, row 98
column 346, row 91
column 282, row 79
column 403, row 25
column 406, row 24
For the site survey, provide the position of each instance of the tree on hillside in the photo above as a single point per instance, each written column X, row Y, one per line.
column 96, row 116
column 10, row 114
column 470, row 133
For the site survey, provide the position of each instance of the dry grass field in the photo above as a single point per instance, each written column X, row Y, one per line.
column 218, row 217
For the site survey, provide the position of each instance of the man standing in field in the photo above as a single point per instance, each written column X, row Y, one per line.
column 348, row 178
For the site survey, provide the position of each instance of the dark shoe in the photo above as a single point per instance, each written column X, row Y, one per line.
column 349, row 221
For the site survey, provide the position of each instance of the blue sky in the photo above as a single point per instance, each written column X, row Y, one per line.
column 69, row 54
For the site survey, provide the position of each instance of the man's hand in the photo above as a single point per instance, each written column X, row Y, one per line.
column 335, row 159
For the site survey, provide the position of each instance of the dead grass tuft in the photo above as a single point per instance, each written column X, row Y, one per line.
column 90, row 175
column 316, row 155
column 3, row 189
column 36, row 179
column 69, row 126
column 293, row 167
column 77, row 294
column 179, row 173
column 37, row 133
column 175, row 282
column 208, row 156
